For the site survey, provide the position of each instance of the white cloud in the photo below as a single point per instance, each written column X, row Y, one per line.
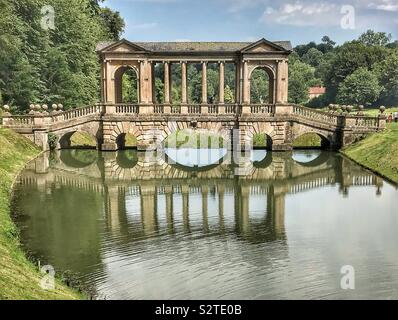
column 385, row 5
column 303, row 14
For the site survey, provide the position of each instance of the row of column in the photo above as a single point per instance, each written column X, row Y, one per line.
column 184, row 83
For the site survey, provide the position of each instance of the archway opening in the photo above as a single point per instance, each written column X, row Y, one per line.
column 126, row 141
column 127, row 85
column 311, row 141
column 194, row 139
column 230, row 83
column 194, row 82
column 78, row 140
column 262, row 86
column 262, row 141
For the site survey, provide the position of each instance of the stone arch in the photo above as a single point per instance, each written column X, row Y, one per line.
column 118, row 76
column 64, row 138
column 270, row 71
column 212, row 127
column 326, row 137
column 257, row 128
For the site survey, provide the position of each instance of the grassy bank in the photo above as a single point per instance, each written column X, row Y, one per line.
column 378, row 152
column 19, row 278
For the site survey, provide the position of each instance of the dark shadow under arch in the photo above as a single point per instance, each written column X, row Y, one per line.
column 121, row 142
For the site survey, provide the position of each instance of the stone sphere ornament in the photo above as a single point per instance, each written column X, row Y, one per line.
column 32, row 107
column 382, row 109
column 6, row 107
column 44, row 107
column 361, row 107
column 60, row 106
column 349, row 108
column 37, row 107
column 54, row 106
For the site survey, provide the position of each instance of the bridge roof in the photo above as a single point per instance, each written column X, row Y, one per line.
column 164, row 47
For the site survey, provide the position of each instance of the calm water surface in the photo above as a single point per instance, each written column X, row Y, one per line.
column 204, row 225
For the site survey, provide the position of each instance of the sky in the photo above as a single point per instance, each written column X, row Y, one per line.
column 299, row 21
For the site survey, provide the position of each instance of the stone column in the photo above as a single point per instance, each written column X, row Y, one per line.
column 204, row 82
column 142, row 98
column 246, row 89
column 222, row 82
column 184, row 96
column 279, row 82
column 166, row 82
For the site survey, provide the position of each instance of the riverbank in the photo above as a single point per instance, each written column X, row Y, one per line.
column 378, row 152
column 19, row 278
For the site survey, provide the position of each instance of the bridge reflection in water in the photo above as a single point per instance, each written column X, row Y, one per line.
column 74, row 199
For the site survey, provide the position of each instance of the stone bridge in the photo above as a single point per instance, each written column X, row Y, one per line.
column 152, row 124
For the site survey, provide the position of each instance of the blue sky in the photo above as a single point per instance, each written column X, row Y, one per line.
column 300, row 21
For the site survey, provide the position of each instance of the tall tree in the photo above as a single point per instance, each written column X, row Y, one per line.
column 361, row 87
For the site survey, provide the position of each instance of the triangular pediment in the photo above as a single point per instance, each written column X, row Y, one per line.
column 262, row 46
column 123, row 46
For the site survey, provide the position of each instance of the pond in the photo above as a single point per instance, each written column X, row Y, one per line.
column 211, row 224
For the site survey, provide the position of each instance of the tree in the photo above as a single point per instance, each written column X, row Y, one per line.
column 372, row 38
column 301, row 78
column 388, row 77
column 313, row 57
column 360, row 88
column 259, row 86
column 229, row 95
column 51, row 66
column 113, row 22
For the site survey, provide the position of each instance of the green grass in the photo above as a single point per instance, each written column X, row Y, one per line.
column 193, row 139
column 308, row 140
column 19, row 278
column 376, row 112
column 83, row 139
column 260, row 140
column 378, row 152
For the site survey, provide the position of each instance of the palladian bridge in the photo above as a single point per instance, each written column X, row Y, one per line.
column 151, row 123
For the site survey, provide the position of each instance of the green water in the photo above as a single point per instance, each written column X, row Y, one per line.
column 207, row 224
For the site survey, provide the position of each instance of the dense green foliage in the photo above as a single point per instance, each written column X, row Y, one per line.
column 47, row 50
column 362, row 71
